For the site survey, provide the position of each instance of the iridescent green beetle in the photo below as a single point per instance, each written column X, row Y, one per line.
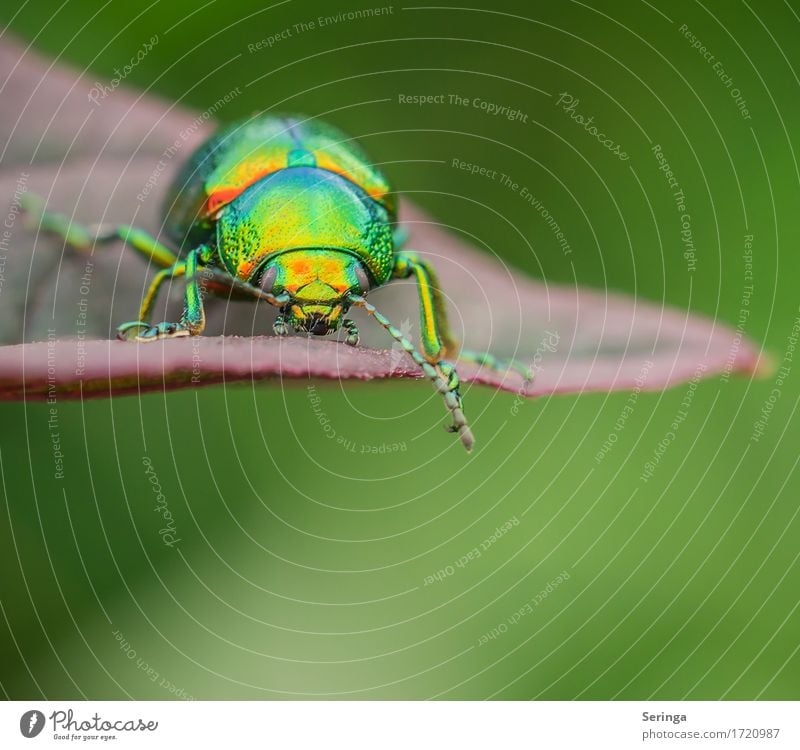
column 287, row 210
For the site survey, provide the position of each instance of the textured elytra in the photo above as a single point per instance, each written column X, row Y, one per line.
column 239, row 155
column 303, row 208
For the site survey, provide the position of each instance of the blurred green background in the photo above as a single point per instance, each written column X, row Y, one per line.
column 307, row 569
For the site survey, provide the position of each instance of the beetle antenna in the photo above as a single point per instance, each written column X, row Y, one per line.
column 451, row 400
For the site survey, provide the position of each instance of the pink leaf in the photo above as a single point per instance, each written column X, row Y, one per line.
column 111, row 162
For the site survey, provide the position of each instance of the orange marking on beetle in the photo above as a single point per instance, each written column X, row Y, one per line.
column 326, row 162
column 300, row 266
column 218, row 199
column 246, row 269
column 241, row 177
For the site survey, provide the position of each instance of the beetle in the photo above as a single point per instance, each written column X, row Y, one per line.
column 287, row 210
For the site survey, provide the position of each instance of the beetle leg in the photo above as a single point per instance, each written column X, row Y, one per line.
column 124, row 329
column 194, row 316
column 145, row 311
column 438, row 342
column 179, row 269
column 440, row 377
column 494, row 363
column 352, row 332
column 193, row 320
column 83, row 238
column 151, row 332
column 280, row 327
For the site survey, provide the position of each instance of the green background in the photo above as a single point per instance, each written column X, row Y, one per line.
column 301, row 567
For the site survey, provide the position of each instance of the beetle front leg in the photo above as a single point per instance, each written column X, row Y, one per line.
column 281, row 326
column 179, row 269
column 145, row 311
column 193, row 320
column 352, row 332
column 438, row 342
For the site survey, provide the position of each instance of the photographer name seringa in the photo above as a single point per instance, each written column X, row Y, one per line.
column 674, row 718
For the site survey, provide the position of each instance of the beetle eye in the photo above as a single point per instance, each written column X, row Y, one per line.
column 267, row 282
column 363, row 280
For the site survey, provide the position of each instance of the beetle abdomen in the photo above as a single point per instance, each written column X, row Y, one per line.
column 242, row 154
column 301, row 208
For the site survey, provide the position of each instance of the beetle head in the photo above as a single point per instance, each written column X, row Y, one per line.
column 318, row 282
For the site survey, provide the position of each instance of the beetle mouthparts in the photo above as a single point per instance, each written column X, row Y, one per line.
column 316, row 318
column 317, row 326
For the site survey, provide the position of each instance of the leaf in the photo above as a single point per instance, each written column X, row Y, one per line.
column 111, row 162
